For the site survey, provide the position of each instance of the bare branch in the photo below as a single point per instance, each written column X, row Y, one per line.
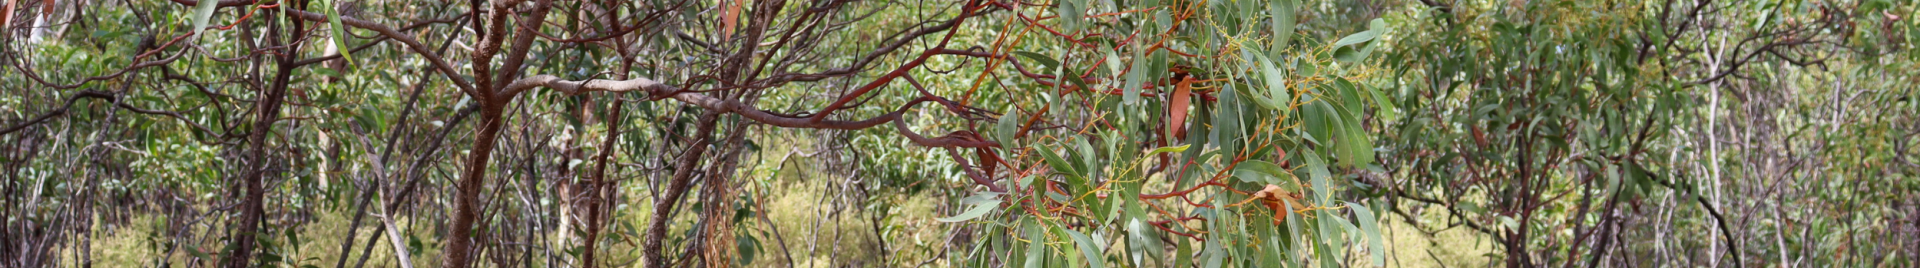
column 94, row 94
column 660, row 90
column 439, row 62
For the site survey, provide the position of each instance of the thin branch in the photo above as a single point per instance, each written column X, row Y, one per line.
column 439, row 62
column 94, row 94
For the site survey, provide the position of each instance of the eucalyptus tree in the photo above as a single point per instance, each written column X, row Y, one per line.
column 1662, row 133
column 1070, row 132
column 1198, row 133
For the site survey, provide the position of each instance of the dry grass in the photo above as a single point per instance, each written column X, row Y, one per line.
column 137, row 245
column 1456, row 247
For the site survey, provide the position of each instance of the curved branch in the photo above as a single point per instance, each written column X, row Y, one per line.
column 860, row 64
column 94, row 94
column 1725, row 234
column 956, row 139
column 19, row 65
column 883, row 80
column 978, row 178
column 662, row 90
column 223, row 3
column 415, row 25
column 439, row 62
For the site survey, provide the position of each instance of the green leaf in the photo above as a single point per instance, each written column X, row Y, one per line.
column 1353, row 144
column 1072, row 12
column 1276, row 85
column 1356, row 38
column 1171, row 149
column 203, row 12
column 1183, row 253
column 1317, row 172
column 1059, row 165
column 973, row 212
column 1371, row 227
column 1143, row 241
column 1089, row 162
column 1293, row 230
column 980, row 198
column 1087, row 247
column 1323, row 244
column 1113, row 63
column 747, row 247
column 1134, row 79
column 1387, row 109
column 1036, row 246
column 1043, row 60
column 323, row 71
column 1008, row 124
column 1071, row 78
column 1317, row 118
column 1215, row 255
column 1260, row 171
column 1613, row 180
column 1275, row 80
column 1226, row 133
column 1283, row 22
column 339, row 32
column 1345, row 226
column 190, row 249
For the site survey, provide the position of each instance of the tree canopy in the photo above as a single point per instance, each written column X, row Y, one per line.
column 975, row 133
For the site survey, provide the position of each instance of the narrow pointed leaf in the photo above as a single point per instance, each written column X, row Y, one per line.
column 1087, row 248
column 974, row 212
column 339, row 32
column 203, row 12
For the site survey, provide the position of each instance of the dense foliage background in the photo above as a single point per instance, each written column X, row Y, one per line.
column 978, row 133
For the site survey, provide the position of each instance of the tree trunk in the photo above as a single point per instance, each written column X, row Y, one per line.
column 598, row 197
column 719, row 240
column 251, row 211
column 460, row 240
column 676, row 188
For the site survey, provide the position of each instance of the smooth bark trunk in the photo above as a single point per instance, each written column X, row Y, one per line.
column 460, row 238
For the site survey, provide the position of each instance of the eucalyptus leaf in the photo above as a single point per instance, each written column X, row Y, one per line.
column 1356, row 38
column 1058, row 164
column 1370, row 227
column 1087, row 247
column 1004, row 130
column 1036, row 246
column 1283, row 22
column 339, row 31
column 1171, row 149
column 1142, row 241
column 202, row 12
column 973, row 212
column 1043, row 60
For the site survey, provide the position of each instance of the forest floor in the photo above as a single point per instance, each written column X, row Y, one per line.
column 851, row 239
column 802, row 228
column 1456, row 247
